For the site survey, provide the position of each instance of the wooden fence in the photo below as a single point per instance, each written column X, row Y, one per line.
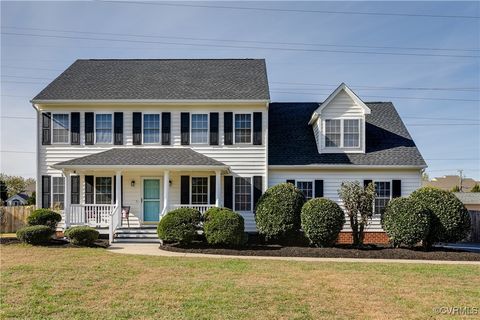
column 475, row 235
column 14, row 218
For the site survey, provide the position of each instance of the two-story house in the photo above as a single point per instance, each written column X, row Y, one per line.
column 153, row 135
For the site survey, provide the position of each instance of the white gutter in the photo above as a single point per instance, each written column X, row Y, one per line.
column 149, row 101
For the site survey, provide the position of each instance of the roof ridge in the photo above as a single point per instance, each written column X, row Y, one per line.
column 174, row 59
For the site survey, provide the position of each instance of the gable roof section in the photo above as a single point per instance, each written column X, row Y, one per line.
column 160, row 79
column 292, row 142
column 142, row 157
column 340, row 88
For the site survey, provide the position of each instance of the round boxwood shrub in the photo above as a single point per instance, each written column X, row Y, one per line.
column 449, row 219
column 44, row 217
column 278, row 211
column 35, row 234
column 322, row 221
column 406, row 221
column 179, row 225
column 223, row 226
column 82, row 235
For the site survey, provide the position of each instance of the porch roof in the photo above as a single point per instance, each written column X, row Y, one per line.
column 142, row 158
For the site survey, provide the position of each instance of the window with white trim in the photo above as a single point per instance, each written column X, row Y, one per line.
column 151, row 128
column 333, row 133
column 351, row 133
column 243, row 128
column 243, row 194
column 103, row 190
column 199, row 190
column 58, row 191
column 199, row 128
column 60, row 128
column 384, row 193
column 103, row 128
column 306, row 187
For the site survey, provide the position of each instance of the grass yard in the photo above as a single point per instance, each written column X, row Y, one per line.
column 86, row 283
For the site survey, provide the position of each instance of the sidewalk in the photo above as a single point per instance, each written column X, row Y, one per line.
column 152, row 249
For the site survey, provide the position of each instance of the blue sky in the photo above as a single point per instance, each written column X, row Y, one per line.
column 445, row 123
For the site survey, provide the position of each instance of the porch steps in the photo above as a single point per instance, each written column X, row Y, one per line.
column 141, row 234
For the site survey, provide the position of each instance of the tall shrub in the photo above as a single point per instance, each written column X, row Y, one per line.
column 278, row 211
column 45, row 217
column 358, row 202
column 179, row 225
column 223, row 226
column 450, row 221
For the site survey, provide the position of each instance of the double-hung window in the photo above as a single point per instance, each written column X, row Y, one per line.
column 384, row 192
column 199, row 128
column 103, row 128
column 306, row 187
column 60, row 128
column 243, row 128
column 333, row 133
column 199, row 190
column 151, row 128
column 103, row 190
column 58, row 189
column 342, row 133
column 351, row 133
column 243, row 194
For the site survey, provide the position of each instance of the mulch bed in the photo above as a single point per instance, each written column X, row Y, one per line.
column 339, row 251
column 100, row 243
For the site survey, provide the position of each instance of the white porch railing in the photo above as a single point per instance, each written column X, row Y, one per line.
column 200, row 207
column 94, row 215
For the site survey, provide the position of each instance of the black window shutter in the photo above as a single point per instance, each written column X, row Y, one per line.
column 166, row 125
column 46, row 128
column 118, row 128
column 89, row 192
column 75, row 190
column 228, row 192
column 318, row 188
column 291, row 181
column 366, row 183
column 213, row 128
column 257, row 190
column 257, row 128
column 46, row 189
column 185, row 190
column 89, row 128
column 75, row 128
column 185, row 128
column 396, row 188
column 228, row 127
column 213, row 189
column 137, row 128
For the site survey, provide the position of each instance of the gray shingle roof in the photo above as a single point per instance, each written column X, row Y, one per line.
column 291, row 139
column 143, row 157
column 193, row 79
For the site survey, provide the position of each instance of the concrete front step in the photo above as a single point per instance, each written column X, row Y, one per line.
column 136, row 240
column 137, row 235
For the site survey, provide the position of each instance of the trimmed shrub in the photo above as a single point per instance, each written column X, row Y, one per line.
column 82, row 235
column 278, row 211
column 450, row 221
column 179, row 225
column 44, row 217
column 35, row 234
column 322, row 221
column 223, row 226
column 406, row 221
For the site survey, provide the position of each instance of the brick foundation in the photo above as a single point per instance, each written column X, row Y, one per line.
column 370, row 238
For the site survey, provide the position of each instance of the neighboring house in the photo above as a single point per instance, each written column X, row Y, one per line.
column 155, row 135
column 449, row 182
column 471, row 200
column 20, row 199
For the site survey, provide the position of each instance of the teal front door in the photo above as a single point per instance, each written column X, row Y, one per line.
column 151, row 200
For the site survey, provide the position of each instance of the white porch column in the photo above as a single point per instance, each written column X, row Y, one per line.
column 66, row 198
column 166, row 192
column 118, row 192
column 218, row 191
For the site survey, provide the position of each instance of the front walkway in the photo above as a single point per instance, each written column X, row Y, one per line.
column 152, row 249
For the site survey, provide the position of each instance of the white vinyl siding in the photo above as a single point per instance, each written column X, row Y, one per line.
column 151, row 128
column 61, row 128
column 243, row 128
column 103, row 128
column 199, row 128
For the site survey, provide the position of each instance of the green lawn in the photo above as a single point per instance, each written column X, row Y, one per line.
column 69, row 283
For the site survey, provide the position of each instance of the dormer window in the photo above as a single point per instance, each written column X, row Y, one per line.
column 351, row 133
column 333, row 133
column 342, row 133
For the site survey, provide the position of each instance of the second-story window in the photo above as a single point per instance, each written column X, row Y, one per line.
column 103, row 128
column 199, row 128
column 342, row 133
column 351, row 133
column 243, row 128
column 333, row 133
column 151, row 128
column 61, row 128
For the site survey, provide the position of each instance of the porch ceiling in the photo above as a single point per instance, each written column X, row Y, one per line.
column 143, row 158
